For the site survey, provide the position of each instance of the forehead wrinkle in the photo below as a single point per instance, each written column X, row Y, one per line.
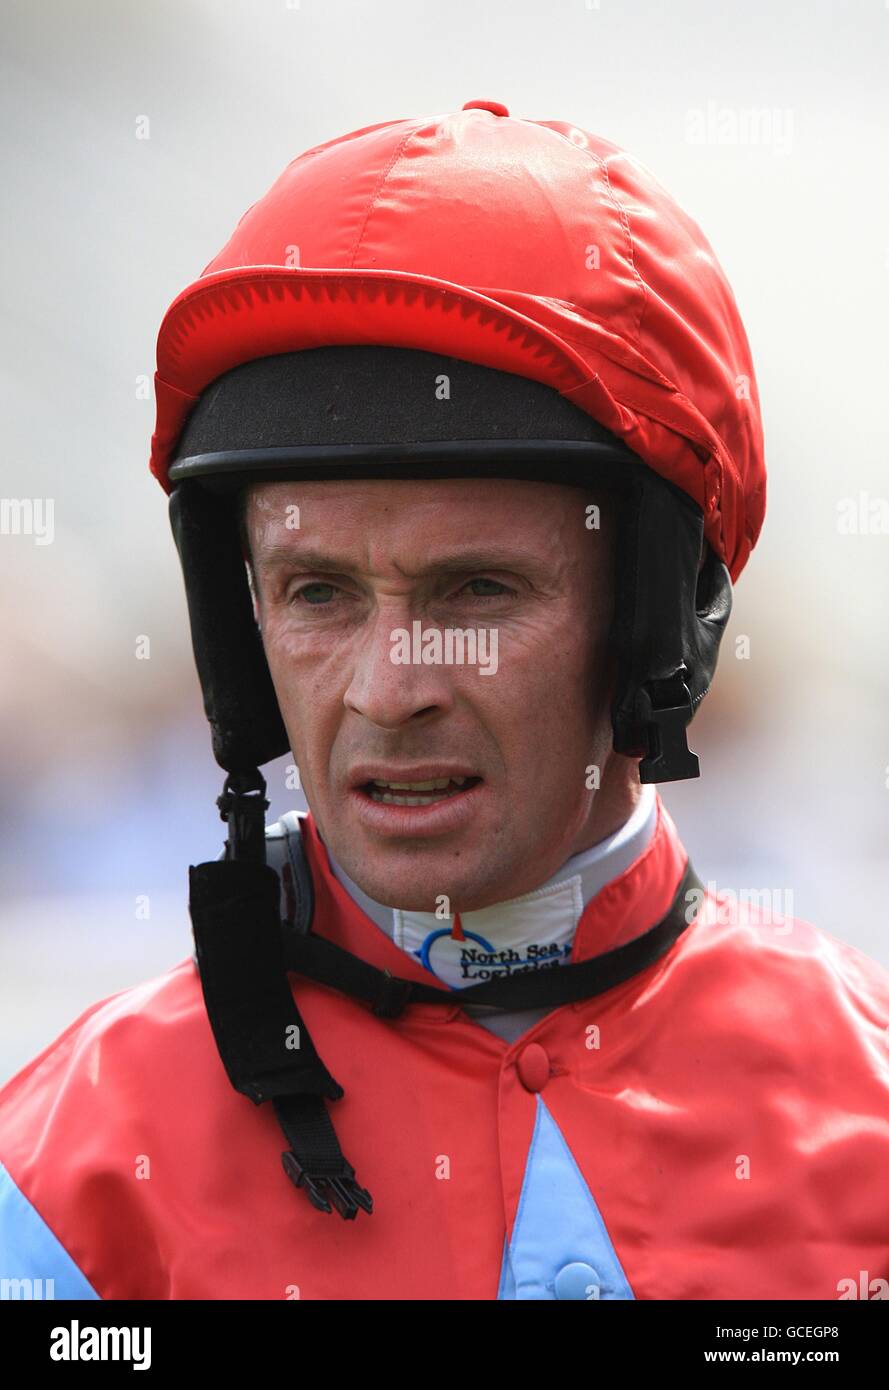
column 281, row 555
column 368, row 552
column 457, row 559
column 451, row 561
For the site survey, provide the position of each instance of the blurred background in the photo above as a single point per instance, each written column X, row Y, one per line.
column 133, row 138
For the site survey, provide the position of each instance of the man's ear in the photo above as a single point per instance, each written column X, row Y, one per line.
column 241, row 504
column 251, row 583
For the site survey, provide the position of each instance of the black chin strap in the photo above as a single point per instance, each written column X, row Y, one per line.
column 388, row 995
column 244, row 952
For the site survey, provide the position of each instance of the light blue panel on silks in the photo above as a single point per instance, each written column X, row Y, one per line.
column 560, row 1248
column 33, row 1263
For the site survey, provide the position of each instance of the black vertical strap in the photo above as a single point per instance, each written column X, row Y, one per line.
column 315, row 1160
column 262, row 1040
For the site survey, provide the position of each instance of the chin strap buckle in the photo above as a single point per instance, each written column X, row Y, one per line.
column 242, row 806
column 665, row 712
column 326, row 1192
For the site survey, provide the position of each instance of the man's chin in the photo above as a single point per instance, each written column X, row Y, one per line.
column 452, row 875
column 443, row 893
column 437, row 859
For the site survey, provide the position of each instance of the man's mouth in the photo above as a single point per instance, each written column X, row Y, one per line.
column 416, row 801
column 424, row 793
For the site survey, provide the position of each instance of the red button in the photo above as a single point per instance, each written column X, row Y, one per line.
column 495, row 107
column 533, row 1067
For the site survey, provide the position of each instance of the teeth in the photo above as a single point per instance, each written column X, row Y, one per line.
column 439, row 787
column 436, row 784
column 404, row 800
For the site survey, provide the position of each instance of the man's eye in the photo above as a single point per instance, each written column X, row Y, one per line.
column 315, row 594
column 487, row 588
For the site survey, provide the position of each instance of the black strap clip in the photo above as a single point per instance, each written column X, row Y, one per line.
column 393, row 995
column 666, row 710
column 343, row 1192
column 242, row 806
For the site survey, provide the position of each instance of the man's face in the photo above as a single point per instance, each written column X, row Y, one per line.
column 383, row 569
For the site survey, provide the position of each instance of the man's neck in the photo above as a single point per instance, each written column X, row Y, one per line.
column 614, row 804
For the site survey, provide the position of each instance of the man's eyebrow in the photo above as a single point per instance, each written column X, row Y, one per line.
column 455, row 561
column 300, row 558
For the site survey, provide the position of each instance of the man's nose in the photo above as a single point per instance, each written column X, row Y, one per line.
column 390, row 692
